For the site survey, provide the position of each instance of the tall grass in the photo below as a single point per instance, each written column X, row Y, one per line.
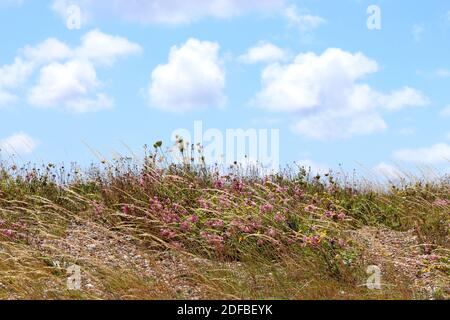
column 202, row 232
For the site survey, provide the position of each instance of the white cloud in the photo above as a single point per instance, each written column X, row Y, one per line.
column 67, row 76
column 47, row 51
column 388, row 171
column 11, row 77
column 438, row 153
column 167, row 11
column 405, row 97
column 18, row 144
column 446, row 112
column 303, row 20
column 69, row 85
column 192, row 79
column 324, row 92
column 100, row 48
column 263, row 52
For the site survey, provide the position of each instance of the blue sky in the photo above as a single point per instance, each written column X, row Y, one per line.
column 339, row 92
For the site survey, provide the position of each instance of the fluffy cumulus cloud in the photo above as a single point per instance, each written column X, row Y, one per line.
column 18, row 144
column 166, row 11
column 12, row 76
column 263, row 52
column 68, row 85
column 192, row 79
column 67, row 77
column 326, row 96
column 436, row 154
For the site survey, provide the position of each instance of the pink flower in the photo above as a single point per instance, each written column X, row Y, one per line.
column 170, row 217
column 219, row 184
column 192, row 219
column 266, row 208
column 203, row 203
column 8, row 233
column 185, row 226
column 214, row 240
column 441, row 203
column 279, row 217
column 433, row 257
column 341, row 216
column 271, row 233
column 168, row 234
column 126, row 209
column 310, row 208
column 298, row 192
column 216, row 224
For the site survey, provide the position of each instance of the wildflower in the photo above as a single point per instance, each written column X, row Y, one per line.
column 185, row 226
column 155, row 204
column 170, row 217
column 313, row 241
column 219, row 184
column 279, row 217
column 441, row 203
column 310, row 208
column 126, row 209
column 271, row 233
column 215, row 224
column 335, row 215
column 168, row 234
column 342, row 243
column 266, row 208
column 203, row 203
column 8, row 233
column 238, row 186
column 298, row 193
column 341, row 216
column 260, row 242
column 192, row 219
column 214, row 240
column 433, row 257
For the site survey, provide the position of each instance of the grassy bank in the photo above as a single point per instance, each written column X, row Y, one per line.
column 161, row 231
